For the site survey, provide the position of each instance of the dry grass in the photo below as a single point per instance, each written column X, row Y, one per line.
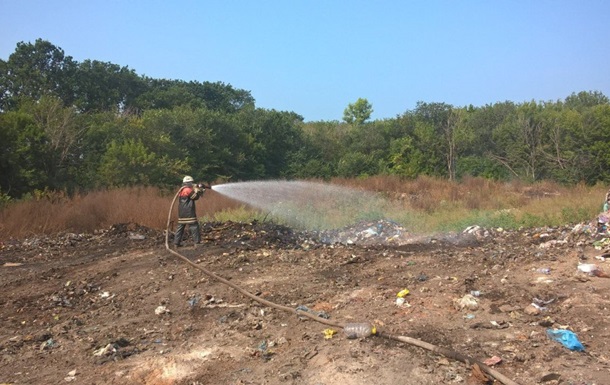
column 423, row 205
column 55, row 213
column 430, row 204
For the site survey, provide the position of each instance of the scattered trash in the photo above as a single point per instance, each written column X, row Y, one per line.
column 263, row 345
column 582, row 228
column 136, row 236
column 193, row 300
column 329, row 333
column 12, row 264
column 601, row 244
column 477, row 231
column 469, row 316
column 479, row 375
column 400, row 297
column 566, row 338
column 499, row 325
column 587, row 267
column 105, row 294
column 71, row 376
column 359, row 330
column 546, row 322
column 539, row 302
column 161, row 310
column 381, row 231
column 475, row 293
column 50, row 343
column 466, row 302
column 592, row 269
column 537, row 306
column 263, row 350
column 105, row 351
column 544, row 270
column 369, row 232
column 543, row 279
column 551, row 243
column 533, row 309
column 495, row 360
column 321, row 314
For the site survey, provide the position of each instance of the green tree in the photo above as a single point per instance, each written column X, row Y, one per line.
column 356, row 164
column 276, row 136
column 62, row 131
column 357, row 112
column 163, row 93
column 479, row 157
column 23, row 154
column 561, row 149
column 105, row 86
column 405, row 159
column 431, row 137
column 457, row 134
column 34, row 70
column 585, row 99
column 130, row 163
column 594, row 142
column 521, row 142
column 322, row 145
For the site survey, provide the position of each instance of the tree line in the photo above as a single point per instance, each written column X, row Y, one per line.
column 68, row 125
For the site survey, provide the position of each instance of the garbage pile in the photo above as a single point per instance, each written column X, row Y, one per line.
column 253, row 235
column 119, row 234
column 380, row 232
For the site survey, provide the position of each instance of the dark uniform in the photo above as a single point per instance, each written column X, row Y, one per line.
column 187, row 215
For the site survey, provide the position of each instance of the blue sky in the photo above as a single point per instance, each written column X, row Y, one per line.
column 315, row 57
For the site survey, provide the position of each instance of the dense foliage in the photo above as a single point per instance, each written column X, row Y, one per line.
column 66, row 125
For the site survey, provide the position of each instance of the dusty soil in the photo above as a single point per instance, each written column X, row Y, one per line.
column 116, row 308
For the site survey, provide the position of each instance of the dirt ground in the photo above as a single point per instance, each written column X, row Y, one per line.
column 116, row 308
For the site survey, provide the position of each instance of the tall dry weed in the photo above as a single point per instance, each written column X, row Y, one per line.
column 146, row 206
column 424, row 203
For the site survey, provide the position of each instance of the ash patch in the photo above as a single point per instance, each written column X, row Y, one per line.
column 252, row 235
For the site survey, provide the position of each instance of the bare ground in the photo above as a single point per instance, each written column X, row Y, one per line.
column 83, row 308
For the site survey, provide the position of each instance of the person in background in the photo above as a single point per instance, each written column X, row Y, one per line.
column 187, row 213
column 607, row 201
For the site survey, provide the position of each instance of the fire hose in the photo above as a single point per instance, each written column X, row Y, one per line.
column 408, row 340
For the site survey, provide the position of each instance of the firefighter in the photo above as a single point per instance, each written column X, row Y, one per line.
column 187, row 215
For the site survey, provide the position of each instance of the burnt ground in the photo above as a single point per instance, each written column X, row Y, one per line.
column 116, row 308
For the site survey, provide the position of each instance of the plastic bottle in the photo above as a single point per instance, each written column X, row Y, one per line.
column 359, row 330
column 588, row 268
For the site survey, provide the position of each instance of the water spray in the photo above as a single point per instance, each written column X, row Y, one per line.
column 308, row 205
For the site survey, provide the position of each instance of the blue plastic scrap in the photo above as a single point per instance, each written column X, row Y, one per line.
column 321, row 314
column 566, row 338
